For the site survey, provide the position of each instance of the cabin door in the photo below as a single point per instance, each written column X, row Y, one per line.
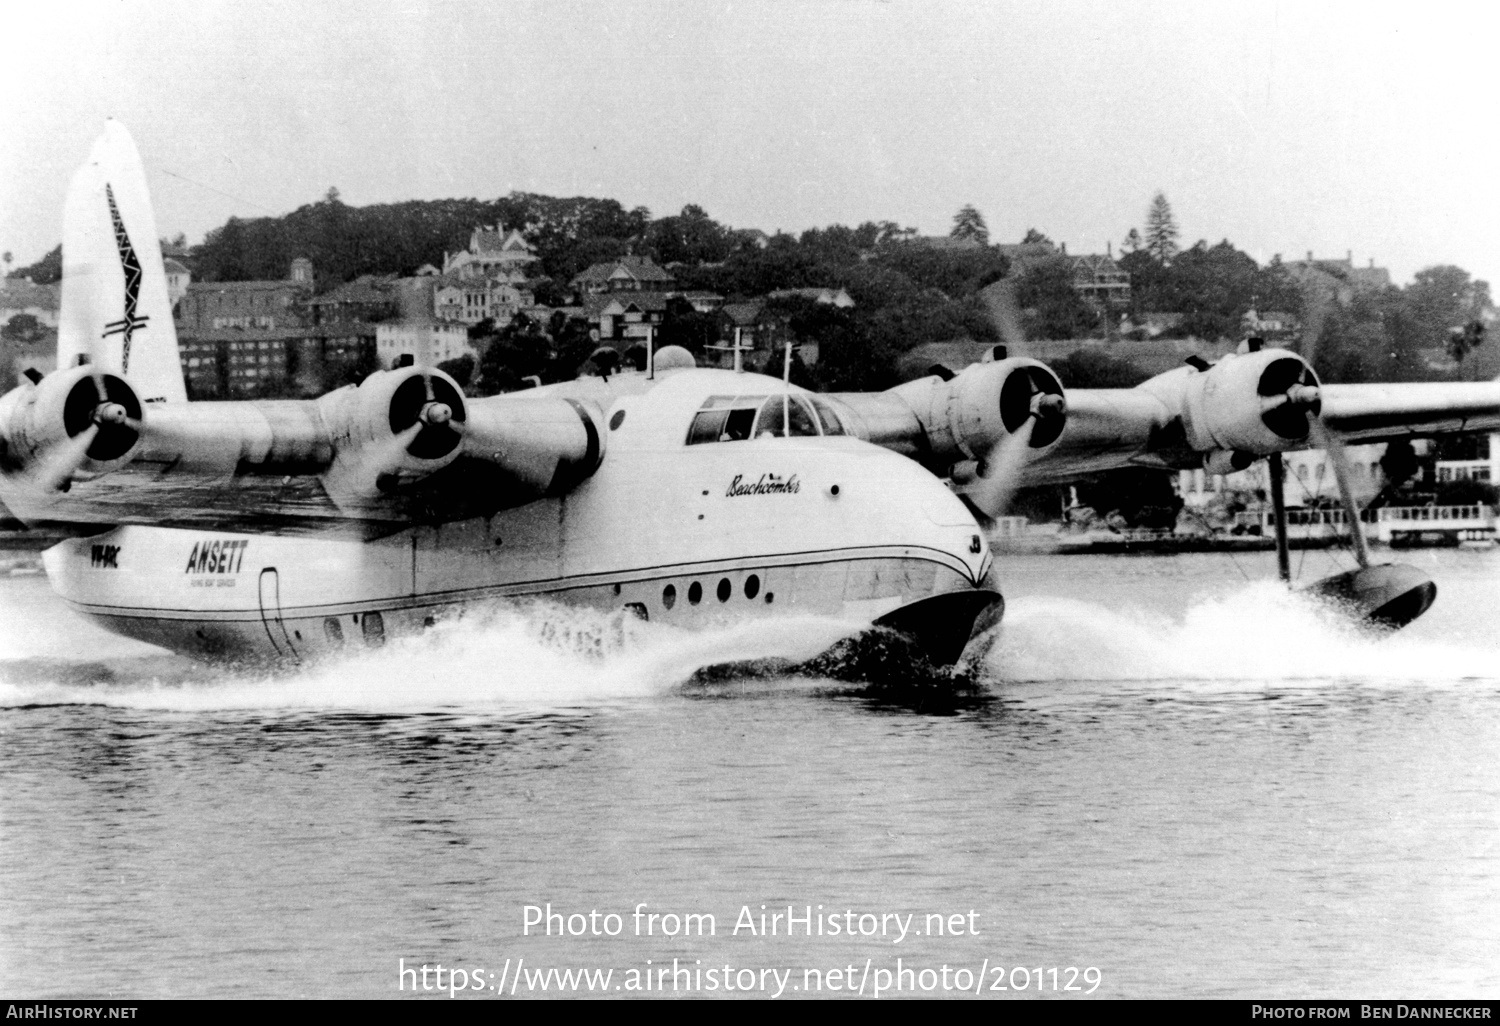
column 270, row 613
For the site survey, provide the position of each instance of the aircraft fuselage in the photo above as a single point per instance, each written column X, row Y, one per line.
column 686, row 534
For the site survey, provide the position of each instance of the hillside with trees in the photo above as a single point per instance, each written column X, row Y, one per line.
column 907, row 290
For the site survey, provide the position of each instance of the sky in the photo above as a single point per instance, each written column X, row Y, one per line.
column 1289, row 127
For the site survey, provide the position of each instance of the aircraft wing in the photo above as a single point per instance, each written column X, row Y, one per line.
column 1012, row 418
column 109, row 437
column 78, row 448
column 1380, row 413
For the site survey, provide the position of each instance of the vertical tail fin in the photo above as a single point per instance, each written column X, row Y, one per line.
column 115, row 308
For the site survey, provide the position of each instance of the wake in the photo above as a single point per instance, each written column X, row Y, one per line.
column 542, row 656
column 532, row 656
column 1261, row 632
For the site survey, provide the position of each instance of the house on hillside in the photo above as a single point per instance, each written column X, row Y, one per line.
column 368, row 299
column 493, row 252
column 627, row 274
column 625, row 317
column 1338, row 280
column 1100, row 281
column 471, row 301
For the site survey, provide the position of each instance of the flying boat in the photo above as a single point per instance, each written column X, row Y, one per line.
column 293, row 529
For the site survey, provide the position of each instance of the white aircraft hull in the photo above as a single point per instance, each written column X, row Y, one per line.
column 698, row 536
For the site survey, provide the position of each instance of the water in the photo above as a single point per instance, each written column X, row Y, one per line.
column 1172, row 774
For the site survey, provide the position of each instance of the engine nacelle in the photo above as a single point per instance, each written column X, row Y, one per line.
column 397, row 427
column 1259, row 403
column 545, row 444
column 967, row 416
column 75, row 423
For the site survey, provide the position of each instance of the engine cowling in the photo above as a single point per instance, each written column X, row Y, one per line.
column 397, row 427
column 1248, row 403
column 75, row 423
column 545, row 445
column 968, row 416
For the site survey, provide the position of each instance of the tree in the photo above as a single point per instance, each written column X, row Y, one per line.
column 460, row 369
column 1161, row 230
column 968, row 223
column 1448, row 309
column 1214, row 286
column 1035, row 238
column 22, row 327
column 1132, row 243
column 1054, row 310
column 46, row 271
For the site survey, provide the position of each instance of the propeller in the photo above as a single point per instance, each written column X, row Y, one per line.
column 427, row 416
column 1033, row 411
column 1291, row 400
column 1327, row 439
column 106, row 408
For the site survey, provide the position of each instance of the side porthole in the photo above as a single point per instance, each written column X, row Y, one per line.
column 695, row 593
column 725, row 589
column 770, row 597
column 669, row 596
column 752, row 586
column 374, row 628
column 617, row 420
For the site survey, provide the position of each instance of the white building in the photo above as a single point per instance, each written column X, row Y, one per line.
column 428, row 344
column 1486, row 468
column 178, row 279
column 471, row 301
column 1309, row 477
column 493, row 252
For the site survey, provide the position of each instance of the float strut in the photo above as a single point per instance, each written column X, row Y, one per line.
column 1278, row 512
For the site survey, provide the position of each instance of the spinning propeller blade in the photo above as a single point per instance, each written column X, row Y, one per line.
column 1034, row 415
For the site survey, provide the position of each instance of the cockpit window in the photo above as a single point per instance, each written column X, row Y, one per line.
column 785, row 414
column 829, row 419
column 725, row 418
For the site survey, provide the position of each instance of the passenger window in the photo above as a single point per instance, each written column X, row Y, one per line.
column 334, row 630
column 782, row 411
column 374, row 629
